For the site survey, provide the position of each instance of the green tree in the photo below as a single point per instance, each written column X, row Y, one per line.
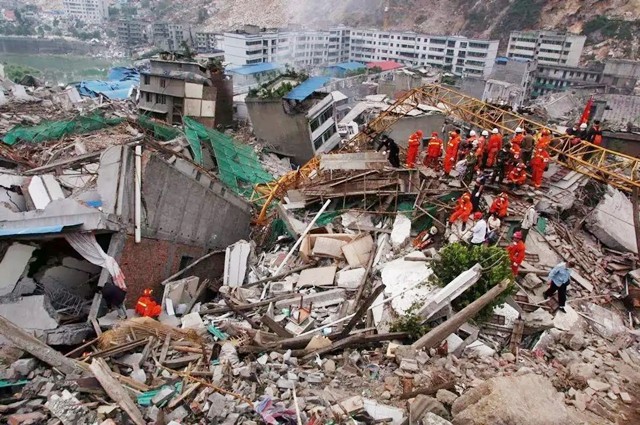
column 458, row 257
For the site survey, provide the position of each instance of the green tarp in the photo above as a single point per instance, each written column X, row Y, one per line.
column 51, row 130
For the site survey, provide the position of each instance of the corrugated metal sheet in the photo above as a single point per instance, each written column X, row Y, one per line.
column 306, row 88
column 255, row 69
column 349, row 66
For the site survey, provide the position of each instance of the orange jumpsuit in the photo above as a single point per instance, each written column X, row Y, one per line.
column 518, row 176
column 500, row 206
column 481, row 145
column 544, row 141
column 412, row 150
column 434, row 150
column 494, row 145
column 516, row 255
column 146, row 306
column 516, row 155
column 517, row 139
column 538, row 164
column 463, row 209
column 451, row 153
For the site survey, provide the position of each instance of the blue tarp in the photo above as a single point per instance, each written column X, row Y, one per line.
column 348, row 66
column 306, row 88
column 117, row 86
column 255, row 69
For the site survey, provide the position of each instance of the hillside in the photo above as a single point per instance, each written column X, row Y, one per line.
column 615, row 20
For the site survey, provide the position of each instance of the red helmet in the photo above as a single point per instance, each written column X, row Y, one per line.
column 147, row 292
column 434, row 134
column 477, row 216
column 517, row 235
column 419, row 133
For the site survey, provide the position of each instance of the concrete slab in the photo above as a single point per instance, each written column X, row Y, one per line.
column 612, row 221
column 450, row 292
column 566, row 321
column 399, row 275
column 52, row 186
column 320, row 299
column 350, row 279
column 235, row 263
column 73, row 334
column 34, row 312
column 13, row 266
column 180, row 292
column 108, row 177
column 25, row 286
column 401, row 231
column 82, row 265
column 383, row 411
column 358, row 251
column 319, row 276
column 71, row 280
column 192, row 321
column 328, row 247
column 37, row 194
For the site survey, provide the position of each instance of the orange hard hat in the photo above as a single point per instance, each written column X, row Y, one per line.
column 545, row 131
column 147, row 292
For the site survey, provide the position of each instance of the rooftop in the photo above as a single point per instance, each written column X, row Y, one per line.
column 385, row 65
column 306, row 88
column 255, row 69
column 348, row 66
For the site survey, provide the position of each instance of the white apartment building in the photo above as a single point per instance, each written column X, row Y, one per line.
column 547, row 47
column 456, row 54
column 307, row 49
column 95, row 11
column 250, row 46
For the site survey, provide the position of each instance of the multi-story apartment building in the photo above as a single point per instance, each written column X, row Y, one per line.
column 131, row 33
column 207, row 42
column 170, row 36
column 304, row 49
column 554, row 78
column 95, row 11
column 250, row 46
column 456, row 54
column 546, row 47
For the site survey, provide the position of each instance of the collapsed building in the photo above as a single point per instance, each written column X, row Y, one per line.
column 332, row 310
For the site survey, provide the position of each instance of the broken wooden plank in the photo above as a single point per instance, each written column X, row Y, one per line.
column 362, row 309
column 116, row 391
column 184, row 395
column 354, row 340
column 165, row 348
column 438, row 334
column 147, row 350
column 252, row 306
column 516, row 336
column 119, row 349
column 39, row 350
column 79, row 350
column 181, row 361
column 276, row 327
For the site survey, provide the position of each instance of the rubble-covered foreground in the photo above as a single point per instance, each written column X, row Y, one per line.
column 343, row 309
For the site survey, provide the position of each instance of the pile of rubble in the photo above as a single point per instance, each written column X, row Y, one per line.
column 335, row 312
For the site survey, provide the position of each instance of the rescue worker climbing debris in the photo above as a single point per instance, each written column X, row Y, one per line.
column 451, row 152
column 413, row 149
column 434, row 151
column 462, row 210
column 516, row 252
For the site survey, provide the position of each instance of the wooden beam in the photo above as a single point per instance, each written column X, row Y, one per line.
column 116, row 391
column 275, row 327
column 443, row 330
column 39, row 350
column 354, row 340
column 362, row 309
column 190, row 266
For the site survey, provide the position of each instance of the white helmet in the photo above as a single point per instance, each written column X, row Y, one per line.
column 495, row 131
column 472, row 133
column 518, row 130
column 485, row 133
column 583, row 126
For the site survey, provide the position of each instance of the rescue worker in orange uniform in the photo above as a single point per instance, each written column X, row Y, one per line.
column 494, row 145
column 517, row 176
column 451, row 152
column 500, row 205
column 545, row 139
column 595, row 133
column 463, row 209
column 516, row 252
column 146, row 306
column 466, row 146
column 538, row 164
column 434, row 151
column 481, row 149
column 516, row 156
column 518, row 138
column 412, row 149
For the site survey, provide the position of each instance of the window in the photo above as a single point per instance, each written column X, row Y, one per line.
column 161, row 99
column 147, row 79
column 163, row 82
column 324, row 137
column 147, row 97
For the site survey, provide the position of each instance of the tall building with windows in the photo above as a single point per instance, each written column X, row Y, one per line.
column 95, row 11
column 456, row 54
column 546, row 47
column 307, row 49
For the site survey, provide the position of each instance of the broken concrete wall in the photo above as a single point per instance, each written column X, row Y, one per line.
column 612, row 221
column 288, row 134
column 149, row 262
column 34, row 312
column 406, row 126
column 182, row 210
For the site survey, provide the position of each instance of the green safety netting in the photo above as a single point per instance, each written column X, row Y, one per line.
column 160, row 131
column 238, row 165
column 56, row 129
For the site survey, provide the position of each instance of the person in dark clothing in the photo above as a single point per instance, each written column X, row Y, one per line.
column 595, row 133
column 114, row 298
column 476, row 193
column 392, row 147
column 528, row 143
column 502, row 160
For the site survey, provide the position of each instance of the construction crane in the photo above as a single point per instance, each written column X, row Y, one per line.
column 611, row 167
